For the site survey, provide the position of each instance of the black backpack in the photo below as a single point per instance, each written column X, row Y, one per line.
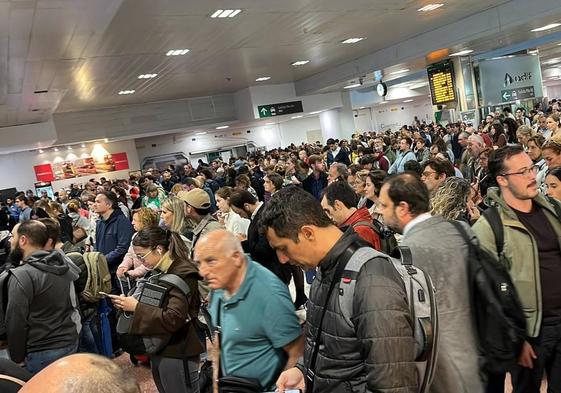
column 499, row 317
column 387, row 237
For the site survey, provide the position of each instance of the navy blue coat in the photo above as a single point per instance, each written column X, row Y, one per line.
column 113, row 238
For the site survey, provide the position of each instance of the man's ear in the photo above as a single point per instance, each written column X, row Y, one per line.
column 308, row 233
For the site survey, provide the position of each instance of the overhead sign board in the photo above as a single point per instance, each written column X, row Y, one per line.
column 510, row 79
column 283, row 108
column 441, row 82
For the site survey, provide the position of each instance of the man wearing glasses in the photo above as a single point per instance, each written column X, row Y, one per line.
column 532, row 231
column 434, row 174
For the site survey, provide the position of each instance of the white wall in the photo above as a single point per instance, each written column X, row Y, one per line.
column 393, row 116
column 553, row 91
column 17, row 168
column 363, row 122
column 295, row 131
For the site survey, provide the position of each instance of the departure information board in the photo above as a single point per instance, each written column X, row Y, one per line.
column 441, row 81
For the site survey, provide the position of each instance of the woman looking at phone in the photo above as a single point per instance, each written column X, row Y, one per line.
column 175, row 368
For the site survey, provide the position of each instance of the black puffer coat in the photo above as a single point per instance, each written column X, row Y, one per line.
column 377, row 354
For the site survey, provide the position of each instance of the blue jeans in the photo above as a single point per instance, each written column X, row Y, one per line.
column 90, row 338
column 36, row 361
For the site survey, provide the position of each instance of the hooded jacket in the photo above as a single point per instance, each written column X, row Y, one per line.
column 39, row 309
column 361, row 222
column 113, row 237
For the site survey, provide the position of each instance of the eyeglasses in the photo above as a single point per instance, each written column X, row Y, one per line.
column 524, row 172
column 427, row 173
column 143, row 257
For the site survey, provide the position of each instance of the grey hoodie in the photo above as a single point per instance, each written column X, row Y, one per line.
column 39, row 314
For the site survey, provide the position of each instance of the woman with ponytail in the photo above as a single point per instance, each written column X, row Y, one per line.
column 175, row 367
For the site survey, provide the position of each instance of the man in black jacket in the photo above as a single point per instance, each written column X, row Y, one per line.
column 39, row 314
column 256, row 244
column 374, row 350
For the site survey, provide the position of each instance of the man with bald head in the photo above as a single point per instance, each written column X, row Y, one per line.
column 260, row 333
column 82, row 373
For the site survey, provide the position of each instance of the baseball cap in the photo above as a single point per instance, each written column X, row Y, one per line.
column 196, row 197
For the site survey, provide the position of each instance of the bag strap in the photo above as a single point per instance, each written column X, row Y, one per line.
column 494, row 219
column 9, row 378
column 175, row 281
column 347, row 255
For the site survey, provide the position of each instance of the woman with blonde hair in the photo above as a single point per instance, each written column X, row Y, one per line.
column 359, row 187
column 173, row 215
column 451, row 201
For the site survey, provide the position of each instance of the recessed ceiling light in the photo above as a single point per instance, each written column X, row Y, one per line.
column 177, row 52
column 262, row 79
column 315, row 112
column 400, row 71
column 547, row 27
column 125, row 92
column 297, row 117
column 147, row 76
column 408, row 101
column 69, row 147
column 362, row 107
column 105, row 140
column 352, row 86
column 462, row 52
column 222, row 127
column 353, row 40
column 225, row 13
column 55, row 149
column 300, row 63
column 83, row 145
column 430, row 7
column 269, row 124
column 41, row 151
column 201, row 133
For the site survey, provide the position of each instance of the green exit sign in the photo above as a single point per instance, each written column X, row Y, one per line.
column 283, row 108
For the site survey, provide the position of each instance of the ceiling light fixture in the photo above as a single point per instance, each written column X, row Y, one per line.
column 297, row 117
column 41, row 151
column 352, row 86
column 269, row 124
column 225, row 13
column 533, row 52
column 105, row 140
column 262, row 79
column 55, row 149
column 462, row 52
column 400, row 71
column 83, row 145
column 430, row 7
column 546, row 27
column 126, row 92
column 408, row 101
column 201, row 133
column 147, row 76
column 353, row 40
column 177, row 52
column 69, row 147
column 222, row 127
column 300, row 63
column 315, row 112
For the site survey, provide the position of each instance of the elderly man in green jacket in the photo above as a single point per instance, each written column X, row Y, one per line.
column 532, row 233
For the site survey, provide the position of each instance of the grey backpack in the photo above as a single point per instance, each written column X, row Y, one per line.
column 420, row 298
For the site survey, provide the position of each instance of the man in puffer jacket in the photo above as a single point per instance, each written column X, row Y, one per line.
column 376, row 352
column 39, row 314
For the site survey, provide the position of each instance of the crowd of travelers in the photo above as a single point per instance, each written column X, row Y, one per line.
column 191, row 266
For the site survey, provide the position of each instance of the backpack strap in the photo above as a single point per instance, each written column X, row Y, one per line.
column 556, row 206
column 496, row 223
column 9, row 378
column 175, row 281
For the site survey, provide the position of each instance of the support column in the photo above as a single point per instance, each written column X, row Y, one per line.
column 330, row 124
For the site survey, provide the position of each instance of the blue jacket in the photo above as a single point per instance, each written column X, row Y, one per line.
column 399, row 163
column 113, row 238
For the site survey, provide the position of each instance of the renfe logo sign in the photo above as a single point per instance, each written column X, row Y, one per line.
column 510, row 79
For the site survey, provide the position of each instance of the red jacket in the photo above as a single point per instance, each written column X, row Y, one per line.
column 364, row 230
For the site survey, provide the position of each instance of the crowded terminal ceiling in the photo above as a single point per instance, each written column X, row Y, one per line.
column 75, row 55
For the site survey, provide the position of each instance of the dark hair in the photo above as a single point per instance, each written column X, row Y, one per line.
column 441, row 167
column 112, row 198
column 409, row 188
column 35, row 231
column 276, row 179
column 38, row 212
column 512, row 126
column 206, row 173
column 555, row 172
column 23, row 199
column 499, row 130
column 413, row 166
column 241, row 197
column 341, row 191
column 377, row 177
column 53, row 229
column 538, row 139
column 408, row 140
column 314, row 158
column 152, row 237
column 498, row 157
column 290, row 209
column 224, row 192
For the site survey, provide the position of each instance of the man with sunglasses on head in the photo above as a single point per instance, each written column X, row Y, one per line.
column 532, row 230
